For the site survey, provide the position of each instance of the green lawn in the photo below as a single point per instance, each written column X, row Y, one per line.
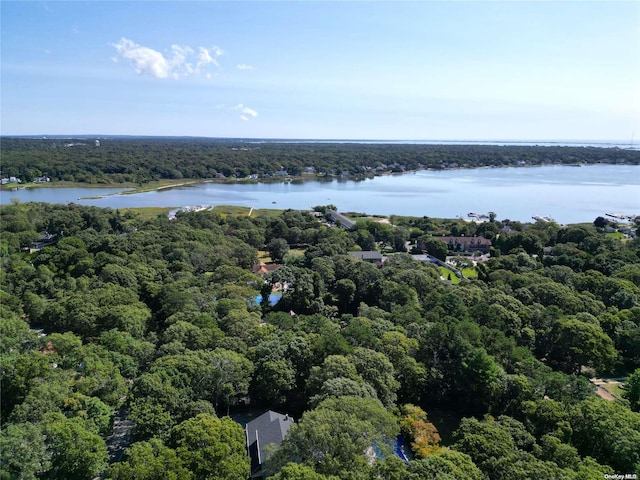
column 149, row 213
column 449, row 275
column 263, row 255
column 470, row 272
column 238, row 211
column 613, row 388
column 618, row 235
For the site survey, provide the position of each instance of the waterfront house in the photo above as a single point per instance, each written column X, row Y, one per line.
column 467, row 244
column 5, row 180
column 341, row 219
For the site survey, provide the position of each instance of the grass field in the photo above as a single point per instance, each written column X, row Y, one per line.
column 613, row 388
column 149, row 213
column 449, row 275
column 237, row 211
column 618, row 235
column 470, row 272
column 263, row 255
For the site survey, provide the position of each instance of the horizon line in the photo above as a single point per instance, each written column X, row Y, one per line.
column 304, row 139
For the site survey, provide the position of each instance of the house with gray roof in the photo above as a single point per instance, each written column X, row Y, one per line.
column 264, row 434
column 370, row 256
column 340, row 219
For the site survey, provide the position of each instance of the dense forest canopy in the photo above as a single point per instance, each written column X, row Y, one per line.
column 154, row 325
column 141, row 160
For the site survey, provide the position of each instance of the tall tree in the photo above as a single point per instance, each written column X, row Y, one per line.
column 211, row 447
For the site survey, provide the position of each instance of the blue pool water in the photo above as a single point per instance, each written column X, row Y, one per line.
column 399, row 449
column 273, row 298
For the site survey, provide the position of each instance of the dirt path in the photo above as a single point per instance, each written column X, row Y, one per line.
column 601, row 392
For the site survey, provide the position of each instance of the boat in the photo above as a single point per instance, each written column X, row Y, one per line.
column 541, row 218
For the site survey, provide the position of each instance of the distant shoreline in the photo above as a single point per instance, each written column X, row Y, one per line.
column 614, row 143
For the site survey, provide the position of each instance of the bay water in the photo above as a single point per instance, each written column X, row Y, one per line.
column 569, row 194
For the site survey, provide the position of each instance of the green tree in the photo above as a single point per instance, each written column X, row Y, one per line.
column 272, row 381
column 345, row 291
column 278, row 248
column 75, row 452
column 231, row 373
column 295, row 471
column 23, row 452
column 433, row 246
column 578, row 343
column 341, row 387
column 333, row 366
column 333, row 438
column 376, row 369
column 150, row 460
column 482, row 379
column 632, row 390
column 212, row 448
column 445, row 465
column 606, row 431
column 483, row 441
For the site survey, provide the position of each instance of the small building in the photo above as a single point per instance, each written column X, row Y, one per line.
column 339, row 218
column 369, row 256
column 264, row 434
column 467, row 244
column 5, row 180
column 263, row 268
column 41, row 180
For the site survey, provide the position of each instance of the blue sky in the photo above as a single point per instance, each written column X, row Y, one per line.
column 334, row 69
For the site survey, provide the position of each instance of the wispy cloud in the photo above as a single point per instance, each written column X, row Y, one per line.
column 179, row 61
column 246, row 112
column 244, row 66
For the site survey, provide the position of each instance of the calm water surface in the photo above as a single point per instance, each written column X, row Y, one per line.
column 568, row 194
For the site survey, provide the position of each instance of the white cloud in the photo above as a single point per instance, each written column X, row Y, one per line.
column 145, row 61
column 180, row 60
column 243, row 66
column 246, row 112
column 209, row 55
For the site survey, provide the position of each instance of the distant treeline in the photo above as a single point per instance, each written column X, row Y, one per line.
column 141, row 160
